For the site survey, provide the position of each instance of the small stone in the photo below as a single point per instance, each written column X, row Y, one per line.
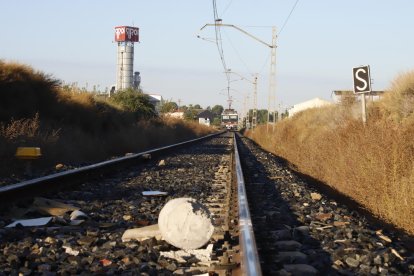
column 59, row 166
column 70, row 251
column 146, row 156
column 44, row 267
column 92, row 233
column 316, row 196
column 378, row 260
column 126, row 260
column 50, row 240
column 126, row 217
column 161, row 163
column 340, row 223
column 352, row 262
column 364, row 269
column 86, row 240
column 323, row 216
column 12, row 258
column 383, row 271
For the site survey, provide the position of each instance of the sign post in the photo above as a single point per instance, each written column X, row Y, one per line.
column 362, row 85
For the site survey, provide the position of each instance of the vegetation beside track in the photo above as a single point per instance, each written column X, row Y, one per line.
column 373, row 164
column 72, row 126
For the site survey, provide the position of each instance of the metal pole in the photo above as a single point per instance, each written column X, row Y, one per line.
column 364, row 109
column 254, row 118
column 272, row 80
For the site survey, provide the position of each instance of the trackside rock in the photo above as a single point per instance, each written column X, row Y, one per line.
column 185, row 223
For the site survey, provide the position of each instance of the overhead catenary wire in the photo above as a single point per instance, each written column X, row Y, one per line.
column 238, row 54
column 288, row 17
column 219, row 41
column 227, row 7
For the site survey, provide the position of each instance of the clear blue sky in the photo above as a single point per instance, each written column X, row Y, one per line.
column 321, row 42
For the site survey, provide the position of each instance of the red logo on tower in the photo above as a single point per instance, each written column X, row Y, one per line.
column 126, row 34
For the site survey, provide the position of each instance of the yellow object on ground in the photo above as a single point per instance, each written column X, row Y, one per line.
column 28, row 153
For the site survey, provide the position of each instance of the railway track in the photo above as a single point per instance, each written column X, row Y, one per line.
column 297, row 230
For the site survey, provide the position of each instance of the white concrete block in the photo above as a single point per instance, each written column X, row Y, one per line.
column 185, row 223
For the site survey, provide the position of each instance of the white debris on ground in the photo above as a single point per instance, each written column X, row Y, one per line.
column 55, row 209
column 31, row 222
column 203, row 255
column 142, row 233
column 154, row 193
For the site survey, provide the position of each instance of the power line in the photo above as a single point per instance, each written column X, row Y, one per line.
column 219, row 41
column 287, row 19
column 227, row 7
column 238, row 54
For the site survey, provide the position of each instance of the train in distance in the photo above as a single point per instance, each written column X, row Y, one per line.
column 229, row 119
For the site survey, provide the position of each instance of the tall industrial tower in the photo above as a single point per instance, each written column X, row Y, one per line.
column 126, row 37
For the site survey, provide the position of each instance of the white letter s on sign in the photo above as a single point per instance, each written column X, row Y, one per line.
column 361, row 79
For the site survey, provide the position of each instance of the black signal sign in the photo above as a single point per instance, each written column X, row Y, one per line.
column 362, row 79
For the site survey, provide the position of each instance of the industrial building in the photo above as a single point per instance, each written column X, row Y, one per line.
column 313, row 103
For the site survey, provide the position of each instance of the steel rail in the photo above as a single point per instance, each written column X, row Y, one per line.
column 9, row 192
column 250, row 260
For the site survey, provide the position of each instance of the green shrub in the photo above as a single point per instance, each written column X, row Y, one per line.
column 134, row 101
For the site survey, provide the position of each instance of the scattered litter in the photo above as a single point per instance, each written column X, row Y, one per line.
column 70, row 251
column 31, row 222
column 76, row 215
column 203, row 255
column 59, row 166
column 324, row 227
column 276, row 177
column 143, row 233
column 382, row 236
column 393, row 251
column 51, row 207
column 154, row 193
column 196, row 271
column 161, row 163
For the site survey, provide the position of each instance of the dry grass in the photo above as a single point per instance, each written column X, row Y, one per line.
column 373, row 164
column 72, row 127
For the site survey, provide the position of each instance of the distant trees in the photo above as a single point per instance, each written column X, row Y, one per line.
column 191, row 112
column 168, row 107
column 134, row 101
column 217, row 110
